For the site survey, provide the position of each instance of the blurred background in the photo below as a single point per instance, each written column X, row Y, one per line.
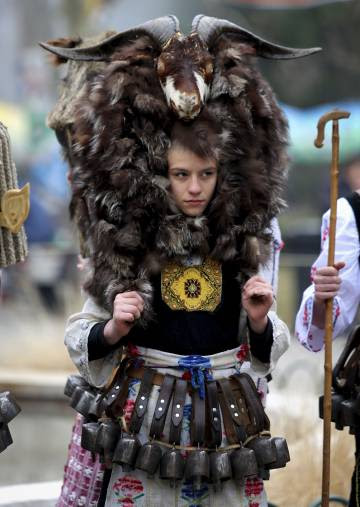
column 38, row 295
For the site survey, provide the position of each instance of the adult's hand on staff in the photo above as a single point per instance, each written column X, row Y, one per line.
column 327, row 284
column 257, row 298
column 327, row 281
column 128, row 306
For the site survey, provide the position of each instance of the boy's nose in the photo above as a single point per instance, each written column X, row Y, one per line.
column 194, row 187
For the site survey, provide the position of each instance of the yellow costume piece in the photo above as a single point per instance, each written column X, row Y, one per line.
column 15, row 206
column 192, row 288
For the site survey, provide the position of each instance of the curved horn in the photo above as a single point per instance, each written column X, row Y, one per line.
column 209, row 29
column 160, row 30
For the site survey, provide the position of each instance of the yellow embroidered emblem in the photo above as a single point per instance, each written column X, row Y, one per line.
column 192, row 288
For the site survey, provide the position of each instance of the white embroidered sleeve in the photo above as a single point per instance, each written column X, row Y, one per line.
column 345, row 305
column 281, row 342
column 77, row 332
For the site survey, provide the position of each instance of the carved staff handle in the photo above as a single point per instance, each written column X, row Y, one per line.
column 333, row 116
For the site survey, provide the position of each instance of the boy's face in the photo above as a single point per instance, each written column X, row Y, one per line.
column 192, row 180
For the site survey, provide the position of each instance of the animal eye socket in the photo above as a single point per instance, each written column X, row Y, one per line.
column 209, row 68
column 229, row 64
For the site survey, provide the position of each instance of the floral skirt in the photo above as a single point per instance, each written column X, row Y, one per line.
column 135, row 488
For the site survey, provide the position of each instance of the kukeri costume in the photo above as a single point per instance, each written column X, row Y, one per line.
column 188, row 270
column 346, row 379
column 14, row 209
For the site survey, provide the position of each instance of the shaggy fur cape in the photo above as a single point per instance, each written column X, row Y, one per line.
column 120, row 199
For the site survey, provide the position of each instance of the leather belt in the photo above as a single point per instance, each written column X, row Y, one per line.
column 214, row 413
column 177, row 411
column 162, row 406
column 138, row 373
column 142, row 401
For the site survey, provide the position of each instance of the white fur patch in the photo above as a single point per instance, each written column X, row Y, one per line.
column 203, row 88
column 183, row 103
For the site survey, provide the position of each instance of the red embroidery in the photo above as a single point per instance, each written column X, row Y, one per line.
column 254, row 487
column 243, row 352
column 325, row 234
column 305, row 317
column 133, row 350
column 128, row 409
column 186, row 375
column 131, row 489
column 313, row 273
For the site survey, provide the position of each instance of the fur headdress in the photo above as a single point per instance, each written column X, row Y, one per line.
column 121, row 130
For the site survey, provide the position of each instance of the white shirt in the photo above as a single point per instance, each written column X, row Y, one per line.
column 347, row 249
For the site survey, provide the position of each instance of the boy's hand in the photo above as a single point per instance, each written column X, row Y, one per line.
column 257, row 298
column 128, row 306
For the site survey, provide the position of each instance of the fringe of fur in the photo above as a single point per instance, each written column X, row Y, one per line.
column 120, row 199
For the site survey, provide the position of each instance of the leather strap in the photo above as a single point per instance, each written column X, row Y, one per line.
column 243, row 410
column 231, row 411
column 177, row 411
column 162, row 407
column 138, row 373
column 254, row 405
column 198, row 419
column 214, row 414
column 339, row 371
column 142, row 401
column 229, row 427
column 117, row 407
column 114, row 398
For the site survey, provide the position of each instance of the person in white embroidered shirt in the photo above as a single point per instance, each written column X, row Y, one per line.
column 342, row 282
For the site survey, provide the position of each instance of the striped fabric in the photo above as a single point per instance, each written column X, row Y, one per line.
column 82, row 475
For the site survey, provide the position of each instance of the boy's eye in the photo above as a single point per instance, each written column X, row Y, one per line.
column 180, row 174
column 208, row 173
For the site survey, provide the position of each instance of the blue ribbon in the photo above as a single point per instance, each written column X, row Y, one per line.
column 198, row 367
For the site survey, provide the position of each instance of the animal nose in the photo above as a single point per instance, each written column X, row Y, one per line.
column 187, row 106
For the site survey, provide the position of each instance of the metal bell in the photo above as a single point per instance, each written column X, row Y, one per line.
column 336, row 411
column 88, row 436
column 220, row 469
column 282, row 453
column 348, row 415
column 8, row 407
column 244, row 464
column 107, row 438
column 72, row 382
column 97, row 406
column 5, row 437
column 172, row 466
column 126, row 451
column 265, row 450
column 197, row 468
column 148, row 458
column 81, row 401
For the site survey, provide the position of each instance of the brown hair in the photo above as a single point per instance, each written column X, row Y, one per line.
column 202, row 137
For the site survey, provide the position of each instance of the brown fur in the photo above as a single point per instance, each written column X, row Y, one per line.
column 120, row 135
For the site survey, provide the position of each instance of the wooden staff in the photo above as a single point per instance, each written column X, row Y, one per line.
column 334, row 177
